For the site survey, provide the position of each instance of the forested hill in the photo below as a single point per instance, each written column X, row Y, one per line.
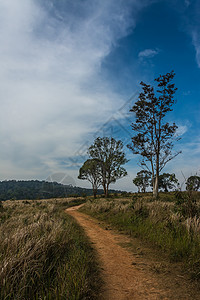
column 34, row 189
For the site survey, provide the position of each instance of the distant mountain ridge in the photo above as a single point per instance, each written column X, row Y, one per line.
column 35, row 189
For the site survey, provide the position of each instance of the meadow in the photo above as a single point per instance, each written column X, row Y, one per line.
column 44, row 254
column 171, row 224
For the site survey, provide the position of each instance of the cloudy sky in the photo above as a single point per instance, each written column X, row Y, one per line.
column 70, row 71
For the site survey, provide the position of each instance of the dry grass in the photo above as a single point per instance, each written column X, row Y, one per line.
column 106, row 205
column 161, row 223
column 158, row 211
column 43, row 253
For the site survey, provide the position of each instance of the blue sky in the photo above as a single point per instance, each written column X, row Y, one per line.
column 69, row 68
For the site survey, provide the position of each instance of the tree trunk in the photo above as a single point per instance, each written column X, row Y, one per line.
column 106, row 194
column 104, row 188
column 153, row 183
column 94, row 192
column 155, row 187
column 94, row 187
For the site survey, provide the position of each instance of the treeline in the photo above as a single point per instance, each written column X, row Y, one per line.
column 35, row 189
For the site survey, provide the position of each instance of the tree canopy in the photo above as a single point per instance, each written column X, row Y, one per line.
column 111, row 157
column 153, row 136
column 91, row 171
column 167, row 181
column 193, row 183
column 35, row 189
column 142, row 180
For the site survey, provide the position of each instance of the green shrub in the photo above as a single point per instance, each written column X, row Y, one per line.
column 186, row 204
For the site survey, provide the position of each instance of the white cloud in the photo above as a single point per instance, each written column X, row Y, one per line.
column 191, row 25
column 187, row 3
column 196, row 42
column 182, row 129
column 148, row 53
column 51, row 91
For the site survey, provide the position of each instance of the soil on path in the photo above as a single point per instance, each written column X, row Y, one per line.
column 125, row 275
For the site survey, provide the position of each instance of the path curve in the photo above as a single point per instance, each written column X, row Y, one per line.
column 123, row 281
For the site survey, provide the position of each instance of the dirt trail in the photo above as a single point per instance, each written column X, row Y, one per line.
column 123, row 279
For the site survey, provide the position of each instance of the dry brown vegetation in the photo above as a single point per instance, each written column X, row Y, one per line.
column 43, row 253
column 171, row 224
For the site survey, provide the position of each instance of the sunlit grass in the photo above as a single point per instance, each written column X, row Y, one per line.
column 43, row 253
column 158, row 222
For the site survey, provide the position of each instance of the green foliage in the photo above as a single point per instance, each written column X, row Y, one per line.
column 84, row 195
column 154, row 137
column 142, row 180
column 125, row 194
column 141, row 212
column 110, row 156
column 167, row 182
column 34, row 189
column 91, row 171
column 45, row 254
column 186, row 204
column 167, row 197
column 193, row 183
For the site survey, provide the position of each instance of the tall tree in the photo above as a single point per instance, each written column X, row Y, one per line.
column 142, row 180
column 154, row 137
column 167, row 181
column 193, row 183
column 111, row 157
column 91, row 171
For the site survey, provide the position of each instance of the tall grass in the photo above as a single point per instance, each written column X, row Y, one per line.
column 43, row 253
column 158, row 222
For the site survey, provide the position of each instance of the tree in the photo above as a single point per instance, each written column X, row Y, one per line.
column 91, row 171
column 193, row 183
column 142, row 180
column 154, row 137
column 167, row 181
column 111, row 157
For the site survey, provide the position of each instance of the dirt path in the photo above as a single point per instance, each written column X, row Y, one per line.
column 125, row 277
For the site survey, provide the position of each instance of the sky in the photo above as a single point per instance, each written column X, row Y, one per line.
column 71, row 70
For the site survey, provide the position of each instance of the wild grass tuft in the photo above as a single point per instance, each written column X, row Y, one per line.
column 44, row 253
column 173, row 231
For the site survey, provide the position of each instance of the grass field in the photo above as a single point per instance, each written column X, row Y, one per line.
column 172, row 224
column 44, row 254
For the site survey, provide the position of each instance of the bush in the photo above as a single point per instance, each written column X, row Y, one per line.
column 186, row 204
